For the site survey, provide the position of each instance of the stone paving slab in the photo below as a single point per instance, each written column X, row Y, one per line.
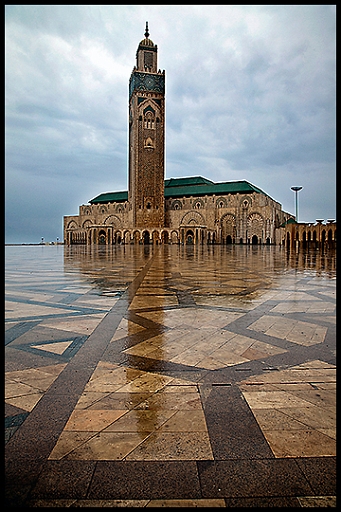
column 175, row 376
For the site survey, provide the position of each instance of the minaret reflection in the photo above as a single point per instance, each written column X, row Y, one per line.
column 146, row 345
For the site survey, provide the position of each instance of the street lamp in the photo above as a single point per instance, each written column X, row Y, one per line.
column 296, row 189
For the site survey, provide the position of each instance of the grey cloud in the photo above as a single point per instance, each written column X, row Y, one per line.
column 250, row 94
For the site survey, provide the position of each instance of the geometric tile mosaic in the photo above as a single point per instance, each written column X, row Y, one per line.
column 60, row 350
column 209, row 380
column 295, row 408
column 55, row 348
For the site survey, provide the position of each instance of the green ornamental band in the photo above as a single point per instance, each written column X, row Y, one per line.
column 146, row 82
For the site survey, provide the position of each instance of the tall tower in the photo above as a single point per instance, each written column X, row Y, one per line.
column 146, row 138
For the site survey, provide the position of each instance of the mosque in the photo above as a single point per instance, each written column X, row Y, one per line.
column 188, row 210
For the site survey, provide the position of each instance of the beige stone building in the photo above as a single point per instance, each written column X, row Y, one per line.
column 189, row 210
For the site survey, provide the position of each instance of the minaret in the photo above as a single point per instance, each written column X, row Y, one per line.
column 146, row 138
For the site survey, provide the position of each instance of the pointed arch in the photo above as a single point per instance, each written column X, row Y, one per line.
column 72, row 225
column 113, row 220
column 228, row 228
column 193, row 218
column 255, row 225
column 87, row 224
column 149, row 111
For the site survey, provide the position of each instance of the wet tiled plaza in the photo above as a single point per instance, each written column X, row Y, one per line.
column 151, row 376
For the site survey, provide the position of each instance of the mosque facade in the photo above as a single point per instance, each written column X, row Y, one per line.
column 189, row 210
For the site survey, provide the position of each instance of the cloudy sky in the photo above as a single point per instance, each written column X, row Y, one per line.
column 250, row 95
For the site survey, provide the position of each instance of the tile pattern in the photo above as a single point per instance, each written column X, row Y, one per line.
column 295, row 409
column 215, row 363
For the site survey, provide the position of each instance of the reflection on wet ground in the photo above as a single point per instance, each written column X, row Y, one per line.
column 145, row 355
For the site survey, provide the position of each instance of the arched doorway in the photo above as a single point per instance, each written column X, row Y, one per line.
column 314, row 239
column 175, row 237
column 228, row 240
column 189, row 237
column 254, row 240
column 165, row 237
column 102, row 239
column 330, row 238
column 146, row 237
column 126, row 237
column 323, row 239
column 155, row 237
column 136, row 237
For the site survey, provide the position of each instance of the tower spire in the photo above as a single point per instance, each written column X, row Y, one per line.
column 146, row 34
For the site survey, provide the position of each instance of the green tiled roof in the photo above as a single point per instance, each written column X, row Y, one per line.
column 191, row 186
column 192, row 180
column 289, row 221
column 110, row 197
column 202, row 187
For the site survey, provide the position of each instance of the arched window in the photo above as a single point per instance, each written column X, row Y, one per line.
column 221, row 202
column 149, row 120
column 148, row 143
column 198, row 204
column 176, row 205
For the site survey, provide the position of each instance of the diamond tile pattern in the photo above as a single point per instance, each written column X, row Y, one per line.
column 168, row 360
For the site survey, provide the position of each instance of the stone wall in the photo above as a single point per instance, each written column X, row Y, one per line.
column 233, row 218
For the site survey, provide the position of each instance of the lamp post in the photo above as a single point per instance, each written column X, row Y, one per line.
column 296, row 189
